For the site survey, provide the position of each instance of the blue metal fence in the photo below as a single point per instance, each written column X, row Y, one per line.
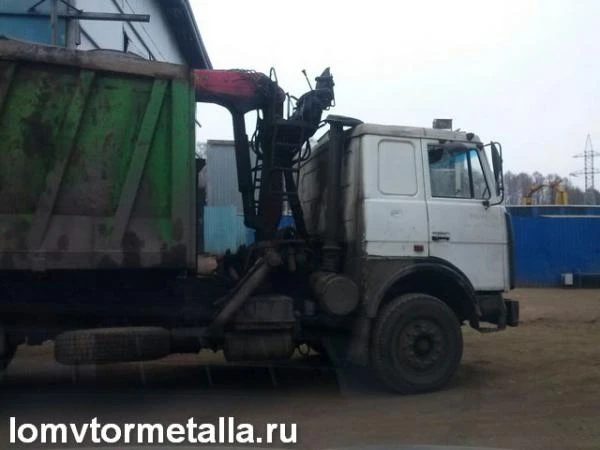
column 550, row 241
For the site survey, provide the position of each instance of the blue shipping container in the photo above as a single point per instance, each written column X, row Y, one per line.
column 548, row 244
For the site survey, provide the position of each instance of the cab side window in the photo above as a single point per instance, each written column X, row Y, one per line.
column 457, row 174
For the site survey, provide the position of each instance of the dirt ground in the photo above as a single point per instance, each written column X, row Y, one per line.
column 532, row 387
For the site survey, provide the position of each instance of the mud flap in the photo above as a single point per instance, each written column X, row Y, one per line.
column 497, row 311
column 512, row 313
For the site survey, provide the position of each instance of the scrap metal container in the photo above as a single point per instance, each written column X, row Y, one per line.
column 97, row 165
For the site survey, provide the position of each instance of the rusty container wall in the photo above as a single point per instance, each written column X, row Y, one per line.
column 97, row 162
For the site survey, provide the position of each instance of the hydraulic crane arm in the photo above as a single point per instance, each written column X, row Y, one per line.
column 237, row 90
column 278, row 143
column 240, row 92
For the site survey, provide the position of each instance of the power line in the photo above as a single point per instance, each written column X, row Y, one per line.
column 589, row 171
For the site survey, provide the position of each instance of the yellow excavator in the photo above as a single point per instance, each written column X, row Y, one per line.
column 561, row 197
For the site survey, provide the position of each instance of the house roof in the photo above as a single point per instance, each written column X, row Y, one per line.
column 181, row 19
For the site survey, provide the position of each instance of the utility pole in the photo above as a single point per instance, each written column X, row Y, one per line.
column 589, row 171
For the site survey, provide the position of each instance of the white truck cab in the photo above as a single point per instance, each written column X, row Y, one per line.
column 420, row 200
column 422, row 214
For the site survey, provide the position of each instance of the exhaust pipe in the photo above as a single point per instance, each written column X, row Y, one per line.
column 331, row 249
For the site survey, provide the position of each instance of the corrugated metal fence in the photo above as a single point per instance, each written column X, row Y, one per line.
column 224, row 229
column 550, row 241
column 223, row 217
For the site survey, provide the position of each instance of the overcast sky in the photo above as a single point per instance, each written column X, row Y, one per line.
column 524, row 72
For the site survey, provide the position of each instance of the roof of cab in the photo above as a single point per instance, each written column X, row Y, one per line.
column 412, row 132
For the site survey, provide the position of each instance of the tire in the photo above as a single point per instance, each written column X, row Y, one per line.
column 416, row 344
column 111, row 345
column 7, row 358
column 7, row 353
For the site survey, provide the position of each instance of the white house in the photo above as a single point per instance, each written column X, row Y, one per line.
column 171, row 33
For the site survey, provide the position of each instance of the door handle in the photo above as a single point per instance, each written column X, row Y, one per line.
column 440, row 236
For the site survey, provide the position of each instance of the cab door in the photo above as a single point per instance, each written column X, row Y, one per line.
column 463, row 229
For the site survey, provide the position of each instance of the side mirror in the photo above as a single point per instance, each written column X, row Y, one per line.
column 497, row 165
column 496, row 151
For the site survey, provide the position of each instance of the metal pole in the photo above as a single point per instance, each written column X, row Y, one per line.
column 54, row 21
column 117, row 17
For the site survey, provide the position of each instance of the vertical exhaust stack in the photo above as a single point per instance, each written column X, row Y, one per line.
column 337, row 293
column 331, row 247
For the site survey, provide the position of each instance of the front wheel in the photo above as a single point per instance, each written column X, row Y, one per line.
column 416, row 344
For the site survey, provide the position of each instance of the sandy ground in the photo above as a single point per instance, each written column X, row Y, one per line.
column 532, row 387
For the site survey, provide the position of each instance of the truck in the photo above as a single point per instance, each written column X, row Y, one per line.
column 399, row 234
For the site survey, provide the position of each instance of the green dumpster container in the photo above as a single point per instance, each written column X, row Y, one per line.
column 97, row 165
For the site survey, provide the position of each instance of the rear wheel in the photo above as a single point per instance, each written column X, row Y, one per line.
column 7, row 352
column 416, row 344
